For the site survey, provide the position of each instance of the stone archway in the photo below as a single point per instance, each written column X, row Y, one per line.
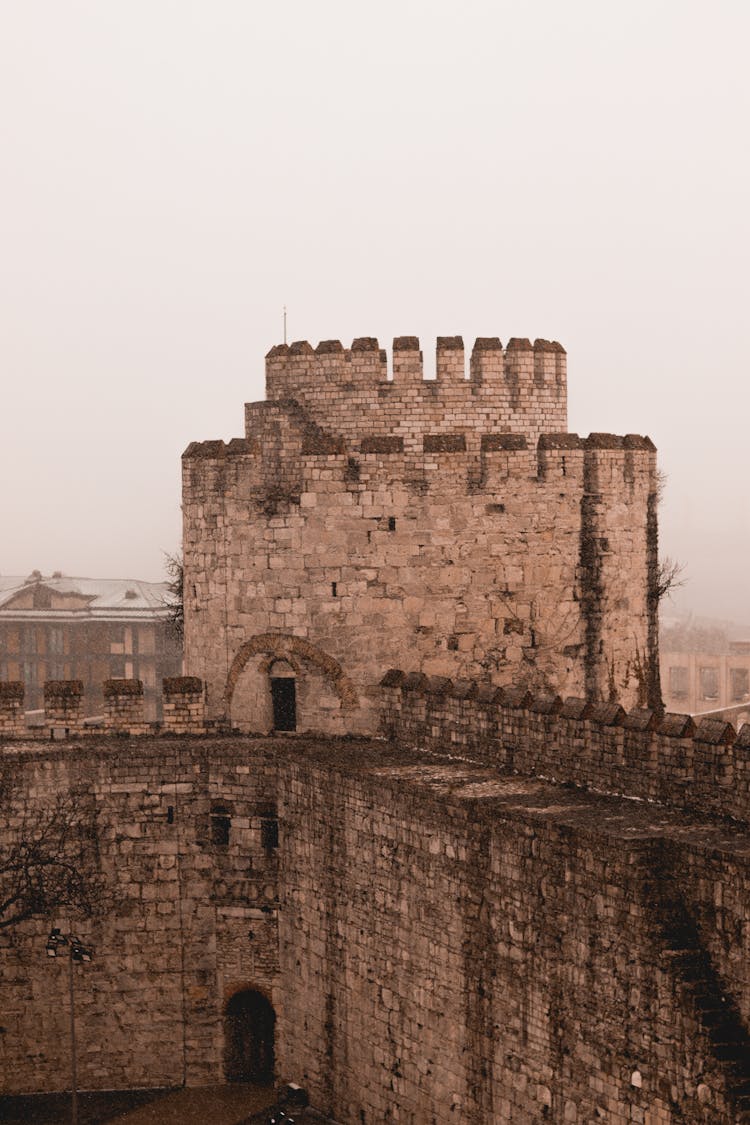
column 295, row 651
column 249, row 1022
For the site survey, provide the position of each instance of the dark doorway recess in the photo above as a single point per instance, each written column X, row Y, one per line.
column 284, row 697
column 248, row 1036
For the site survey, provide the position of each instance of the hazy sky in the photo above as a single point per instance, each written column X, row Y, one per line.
column 173, row 173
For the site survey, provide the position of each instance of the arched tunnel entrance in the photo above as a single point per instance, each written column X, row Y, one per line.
column 249, row 1038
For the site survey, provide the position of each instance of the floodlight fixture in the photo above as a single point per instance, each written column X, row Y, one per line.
column 55, row 940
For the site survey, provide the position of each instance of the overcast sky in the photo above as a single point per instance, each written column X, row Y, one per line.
column 173, row 173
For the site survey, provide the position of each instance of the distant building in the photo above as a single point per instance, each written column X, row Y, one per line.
column 88, row 629
column 700, row 682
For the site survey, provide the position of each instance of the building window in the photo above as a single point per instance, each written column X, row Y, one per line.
column 678, row 683
column 709, row 681
column 739, row 684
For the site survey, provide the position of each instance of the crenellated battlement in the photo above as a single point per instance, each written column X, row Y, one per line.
column 288, row 449
column 65, row 710
column 521, row 388
column 701, row 765
column 365, row 361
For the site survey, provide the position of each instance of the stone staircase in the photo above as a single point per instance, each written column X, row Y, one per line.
column 717, row 1015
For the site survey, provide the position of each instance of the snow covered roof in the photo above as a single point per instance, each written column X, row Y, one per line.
column 88, row 597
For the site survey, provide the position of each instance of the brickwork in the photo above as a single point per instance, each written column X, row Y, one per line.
column 430, row 532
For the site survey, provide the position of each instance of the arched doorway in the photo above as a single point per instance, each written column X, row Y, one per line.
column 283, row 695
column 249, row 1038
column 324, row 698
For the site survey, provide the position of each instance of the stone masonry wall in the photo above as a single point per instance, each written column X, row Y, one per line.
column 457, row 946
column 123, row 706
column 184, row 704
column 11, row 707
column 63, row 705
column 66, row 703
column 521, row 389
column 703, row 766
column 531, row 567
column 453, row 943
column 171, row 939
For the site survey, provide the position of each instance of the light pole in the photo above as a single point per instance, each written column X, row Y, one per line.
column 78, row 953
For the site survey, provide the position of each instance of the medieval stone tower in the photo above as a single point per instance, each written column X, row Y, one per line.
column 372, row 519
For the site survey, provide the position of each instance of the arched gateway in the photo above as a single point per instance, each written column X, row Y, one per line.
column 292, row 680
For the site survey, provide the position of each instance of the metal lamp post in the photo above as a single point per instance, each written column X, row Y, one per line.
column 78, row 953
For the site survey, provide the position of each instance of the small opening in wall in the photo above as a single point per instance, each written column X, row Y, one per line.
column 564, row 467
column 170, row 814
column 269, row 833
column 283, row 697
column 391, row 523
column 221, row 824
column 334, row 590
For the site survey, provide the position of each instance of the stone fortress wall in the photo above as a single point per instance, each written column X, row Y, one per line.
column 170, row 934
column 450, row 525
column 458, row 944
column 698, row 765
column 441, row 937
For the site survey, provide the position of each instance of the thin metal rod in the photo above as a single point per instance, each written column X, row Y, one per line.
column 73, row 1060
column 284, row 323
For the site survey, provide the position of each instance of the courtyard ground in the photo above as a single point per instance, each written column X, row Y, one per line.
column 212, row 1105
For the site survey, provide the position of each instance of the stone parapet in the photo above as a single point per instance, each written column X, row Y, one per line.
column 11, row 708
column 667, row 759
column 522, row 387
column 184, row 705
column 123, row 707
column 63, row 706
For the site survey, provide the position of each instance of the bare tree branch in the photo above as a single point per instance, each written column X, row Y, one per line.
column 174, row 601
column 669, row 576
column 49, row 857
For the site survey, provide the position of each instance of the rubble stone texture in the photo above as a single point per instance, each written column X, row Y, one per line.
column 441, row 940
column 450, row 525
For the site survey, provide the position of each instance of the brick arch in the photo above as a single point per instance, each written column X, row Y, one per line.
column 278, row 646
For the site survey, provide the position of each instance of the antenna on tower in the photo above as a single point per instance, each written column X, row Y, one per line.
column 284, row 323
